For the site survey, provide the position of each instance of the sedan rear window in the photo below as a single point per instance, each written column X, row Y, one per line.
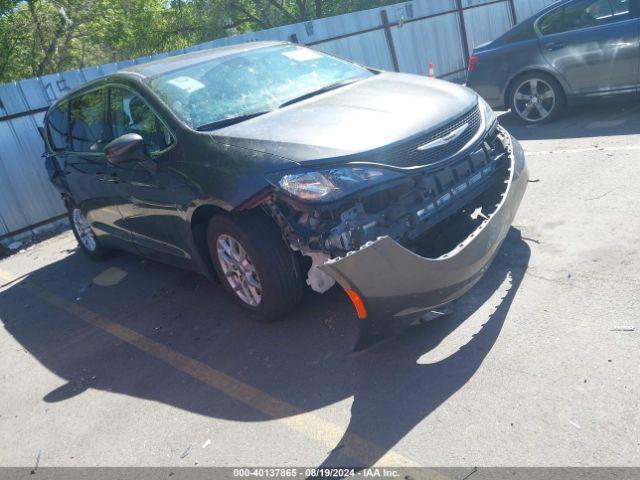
column 250, row 83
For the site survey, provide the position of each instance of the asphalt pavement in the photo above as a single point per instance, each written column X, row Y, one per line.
column 131, row 362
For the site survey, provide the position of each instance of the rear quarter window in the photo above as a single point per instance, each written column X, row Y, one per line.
column 552, row 22
column 519, row 33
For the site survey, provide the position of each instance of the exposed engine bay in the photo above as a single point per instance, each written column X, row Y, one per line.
column 429, row 210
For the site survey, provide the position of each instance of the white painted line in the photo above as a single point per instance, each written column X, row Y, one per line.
column 583, row 150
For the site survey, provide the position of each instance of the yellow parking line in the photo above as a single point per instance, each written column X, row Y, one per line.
column 308, row 424
column 110, row 277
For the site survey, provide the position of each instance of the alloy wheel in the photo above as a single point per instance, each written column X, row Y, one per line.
column 534, row 100
column 83, row 229
column 239, row 270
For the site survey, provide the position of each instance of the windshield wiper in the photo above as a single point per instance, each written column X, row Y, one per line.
column 225, row 122
column 313, row 93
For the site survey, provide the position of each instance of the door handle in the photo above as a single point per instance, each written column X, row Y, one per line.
column 108, row 178
column 553, row 46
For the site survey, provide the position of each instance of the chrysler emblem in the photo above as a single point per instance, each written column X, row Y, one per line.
column 448, row 138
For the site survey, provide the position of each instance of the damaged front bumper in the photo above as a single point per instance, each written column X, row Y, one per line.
column 391, row 286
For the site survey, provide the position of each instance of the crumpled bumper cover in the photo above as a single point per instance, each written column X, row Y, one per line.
column 396, row 285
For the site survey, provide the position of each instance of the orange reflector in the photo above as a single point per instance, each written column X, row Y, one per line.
column 358, row 303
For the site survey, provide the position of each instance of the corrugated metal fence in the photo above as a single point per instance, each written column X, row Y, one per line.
column 404, row 37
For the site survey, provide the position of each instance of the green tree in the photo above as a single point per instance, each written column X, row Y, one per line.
column 38, row 37
column 260, row 14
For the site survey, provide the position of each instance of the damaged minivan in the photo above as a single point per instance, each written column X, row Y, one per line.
column 269, row 165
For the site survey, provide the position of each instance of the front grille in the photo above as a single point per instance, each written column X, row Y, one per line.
column 407, row 154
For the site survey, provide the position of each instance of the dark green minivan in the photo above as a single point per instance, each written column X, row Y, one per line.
column 269, row 165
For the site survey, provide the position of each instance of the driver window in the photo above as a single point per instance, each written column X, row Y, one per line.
column 87, row 122
column 130, row 114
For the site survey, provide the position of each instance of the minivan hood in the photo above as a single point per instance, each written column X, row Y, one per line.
column 354, row 119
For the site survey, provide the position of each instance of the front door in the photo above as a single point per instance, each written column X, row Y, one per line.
column 594, row 45
column 148, row 202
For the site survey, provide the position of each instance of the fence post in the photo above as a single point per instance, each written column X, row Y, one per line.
column 389, row 37
column 512, row 9
column 463, row 32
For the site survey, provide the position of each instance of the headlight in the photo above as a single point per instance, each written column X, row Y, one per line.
column 487, row 112
column 331, row 183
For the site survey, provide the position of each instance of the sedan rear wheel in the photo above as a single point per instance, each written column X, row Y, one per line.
column 537, row 98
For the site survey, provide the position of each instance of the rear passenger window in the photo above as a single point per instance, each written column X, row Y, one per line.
column 58, row 126
column 584, row 14
column 621, row 8
column 587, row 13
column 87, row 122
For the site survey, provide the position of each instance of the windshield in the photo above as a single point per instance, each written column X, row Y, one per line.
column 249, row 83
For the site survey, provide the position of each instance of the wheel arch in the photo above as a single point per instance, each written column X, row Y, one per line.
column 512, row 81
column 199, row 221
column 65, row 196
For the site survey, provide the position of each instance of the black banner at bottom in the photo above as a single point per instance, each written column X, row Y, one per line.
column 421, row 473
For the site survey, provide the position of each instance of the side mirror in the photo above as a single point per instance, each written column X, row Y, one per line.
column 127, row 148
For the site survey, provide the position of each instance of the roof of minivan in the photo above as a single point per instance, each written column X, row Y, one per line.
column 168, row 64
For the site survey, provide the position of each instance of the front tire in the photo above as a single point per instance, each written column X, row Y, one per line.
column 536, row 98
column 87, row 239
column 254, row 264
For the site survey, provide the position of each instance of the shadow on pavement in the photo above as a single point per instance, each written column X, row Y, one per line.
column 304, row 360
column 598, row 120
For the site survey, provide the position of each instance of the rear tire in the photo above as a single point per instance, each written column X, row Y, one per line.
column 86, row 238
column 536, row 97
column 254, row 264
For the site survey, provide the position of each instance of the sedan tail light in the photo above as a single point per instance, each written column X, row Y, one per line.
column 472, row 63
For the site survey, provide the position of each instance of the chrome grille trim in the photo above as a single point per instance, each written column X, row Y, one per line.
column 408, row 156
